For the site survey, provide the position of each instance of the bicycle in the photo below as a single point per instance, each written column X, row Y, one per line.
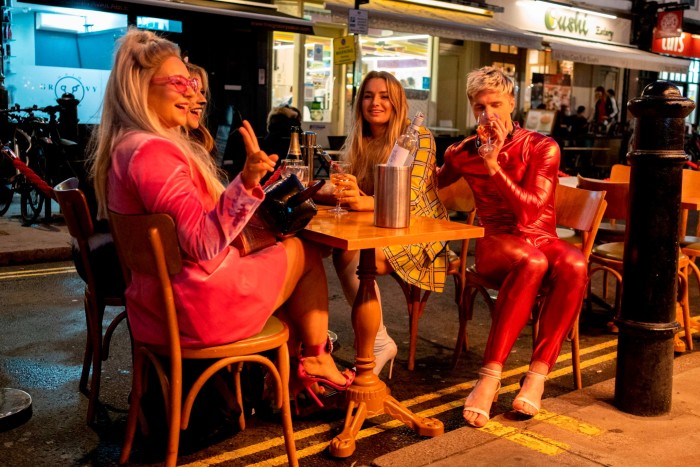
column 25, row 182
column 39, row 146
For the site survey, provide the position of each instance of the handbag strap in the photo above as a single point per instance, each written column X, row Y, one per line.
column 305, row 194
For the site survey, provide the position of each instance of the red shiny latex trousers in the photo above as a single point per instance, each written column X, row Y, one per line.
column 522, row 269
column 520, row 248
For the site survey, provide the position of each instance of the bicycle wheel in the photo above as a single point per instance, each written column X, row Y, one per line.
column 31, row 203
column 6, row 193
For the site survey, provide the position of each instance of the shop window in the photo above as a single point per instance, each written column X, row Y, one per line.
column 158, row 24
column 318, row 79
column 504, row 49
column 405, row 56
column 77, row 40
column 283, row 61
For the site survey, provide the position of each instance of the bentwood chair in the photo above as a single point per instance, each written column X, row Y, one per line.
column 457, row 197
column 690, row 244
column 577, row 209
column 98, row 295
column 148, row 245
column 608, row 257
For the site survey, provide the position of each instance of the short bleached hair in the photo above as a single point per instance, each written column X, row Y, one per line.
column 491, row 79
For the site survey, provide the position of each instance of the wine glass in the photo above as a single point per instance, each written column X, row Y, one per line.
column 298, row 169
column 486, row 130
column 339, row 171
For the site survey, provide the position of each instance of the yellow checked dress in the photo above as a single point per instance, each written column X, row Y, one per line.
column 422, row 264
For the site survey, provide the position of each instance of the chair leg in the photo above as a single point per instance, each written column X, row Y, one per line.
column 239, row 394
column 87, row 356
column 685, row 309
column 576, row 356
column 174, row 402
column 108, row 334
column 465, row 310
column 96, row 313
column 287, row 430
column 134, row 406
column 416, row 307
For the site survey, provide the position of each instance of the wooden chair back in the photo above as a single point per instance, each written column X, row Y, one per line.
column 612, row 229
column 148, row 245
column 581, row 210
column 98, row 295
column 457, row 196
column 620, row 173
column 76, row 215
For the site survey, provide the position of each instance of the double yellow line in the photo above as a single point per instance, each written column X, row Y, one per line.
column 522, row 437
column 20, row 274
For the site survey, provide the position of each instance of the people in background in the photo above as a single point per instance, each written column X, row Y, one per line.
column 514, row 187
column 280, row 122
column 142, row 162
column 379, row 117
column 602, row 111
column 578, row 124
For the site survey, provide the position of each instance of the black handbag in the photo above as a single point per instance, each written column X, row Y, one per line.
column 288, row 206
column 286, row 210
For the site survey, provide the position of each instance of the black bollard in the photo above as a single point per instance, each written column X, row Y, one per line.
column 647, row 320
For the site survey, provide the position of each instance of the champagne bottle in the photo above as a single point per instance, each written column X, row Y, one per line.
column 294, row 151
column 404, row 149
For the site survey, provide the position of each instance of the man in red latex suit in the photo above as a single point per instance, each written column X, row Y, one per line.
column 513, row 187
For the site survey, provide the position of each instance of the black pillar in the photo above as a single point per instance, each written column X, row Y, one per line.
column 647, row 317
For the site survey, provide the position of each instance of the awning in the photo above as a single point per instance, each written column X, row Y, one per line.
column 260, row 15
column 613, row 55
column 397, row 16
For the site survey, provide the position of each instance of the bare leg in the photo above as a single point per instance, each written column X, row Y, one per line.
column 305, row 299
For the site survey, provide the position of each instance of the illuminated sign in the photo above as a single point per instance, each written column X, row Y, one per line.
column 686, row 45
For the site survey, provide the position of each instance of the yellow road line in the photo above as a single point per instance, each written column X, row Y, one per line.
column 36, row 272
column 522, row 437
column 525, row 438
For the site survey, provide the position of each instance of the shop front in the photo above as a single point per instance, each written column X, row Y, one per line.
column 592, row 47
column 54, row 47
column 431, row 49
column 685, row 46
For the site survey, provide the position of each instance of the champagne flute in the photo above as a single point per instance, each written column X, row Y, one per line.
column 339, row 171
column 486, row 130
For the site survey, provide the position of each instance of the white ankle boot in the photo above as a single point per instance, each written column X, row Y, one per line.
column 384, row 350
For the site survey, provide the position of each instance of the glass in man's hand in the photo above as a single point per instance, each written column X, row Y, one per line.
column 486, row 131
column 339, row 171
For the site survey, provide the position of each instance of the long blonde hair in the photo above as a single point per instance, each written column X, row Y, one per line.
column 201, row 133
column 125, row 108
column 365, row 150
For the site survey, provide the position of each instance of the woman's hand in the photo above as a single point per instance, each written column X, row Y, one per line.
column 351, row 196
column 257, row 163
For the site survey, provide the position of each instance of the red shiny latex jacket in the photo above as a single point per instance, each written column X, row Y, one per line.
column 520, row 249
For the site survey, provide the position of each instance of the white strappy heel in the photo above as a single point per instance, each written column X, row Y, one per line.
column 486, row 373
column 525, row 399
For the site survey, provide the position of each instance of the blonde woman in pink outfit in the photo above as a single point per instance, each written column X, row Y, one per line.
column 143, row 162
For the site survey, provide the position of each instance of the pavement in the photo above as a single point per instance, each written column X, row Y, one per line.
column 35, row 243
column 579, row 428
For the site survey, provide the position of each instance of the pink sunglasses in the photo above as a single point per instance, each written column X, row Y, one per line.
column 179, row 82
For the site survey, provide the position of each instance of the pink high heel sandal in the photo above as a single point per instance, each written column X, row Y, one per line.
column 303, row 380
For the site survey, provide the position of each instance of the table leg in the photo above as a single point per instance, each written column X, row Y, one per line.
column 369, row 396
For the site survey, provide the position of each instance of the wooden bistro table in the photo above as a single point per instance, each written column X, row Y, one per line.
column 369, row 396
